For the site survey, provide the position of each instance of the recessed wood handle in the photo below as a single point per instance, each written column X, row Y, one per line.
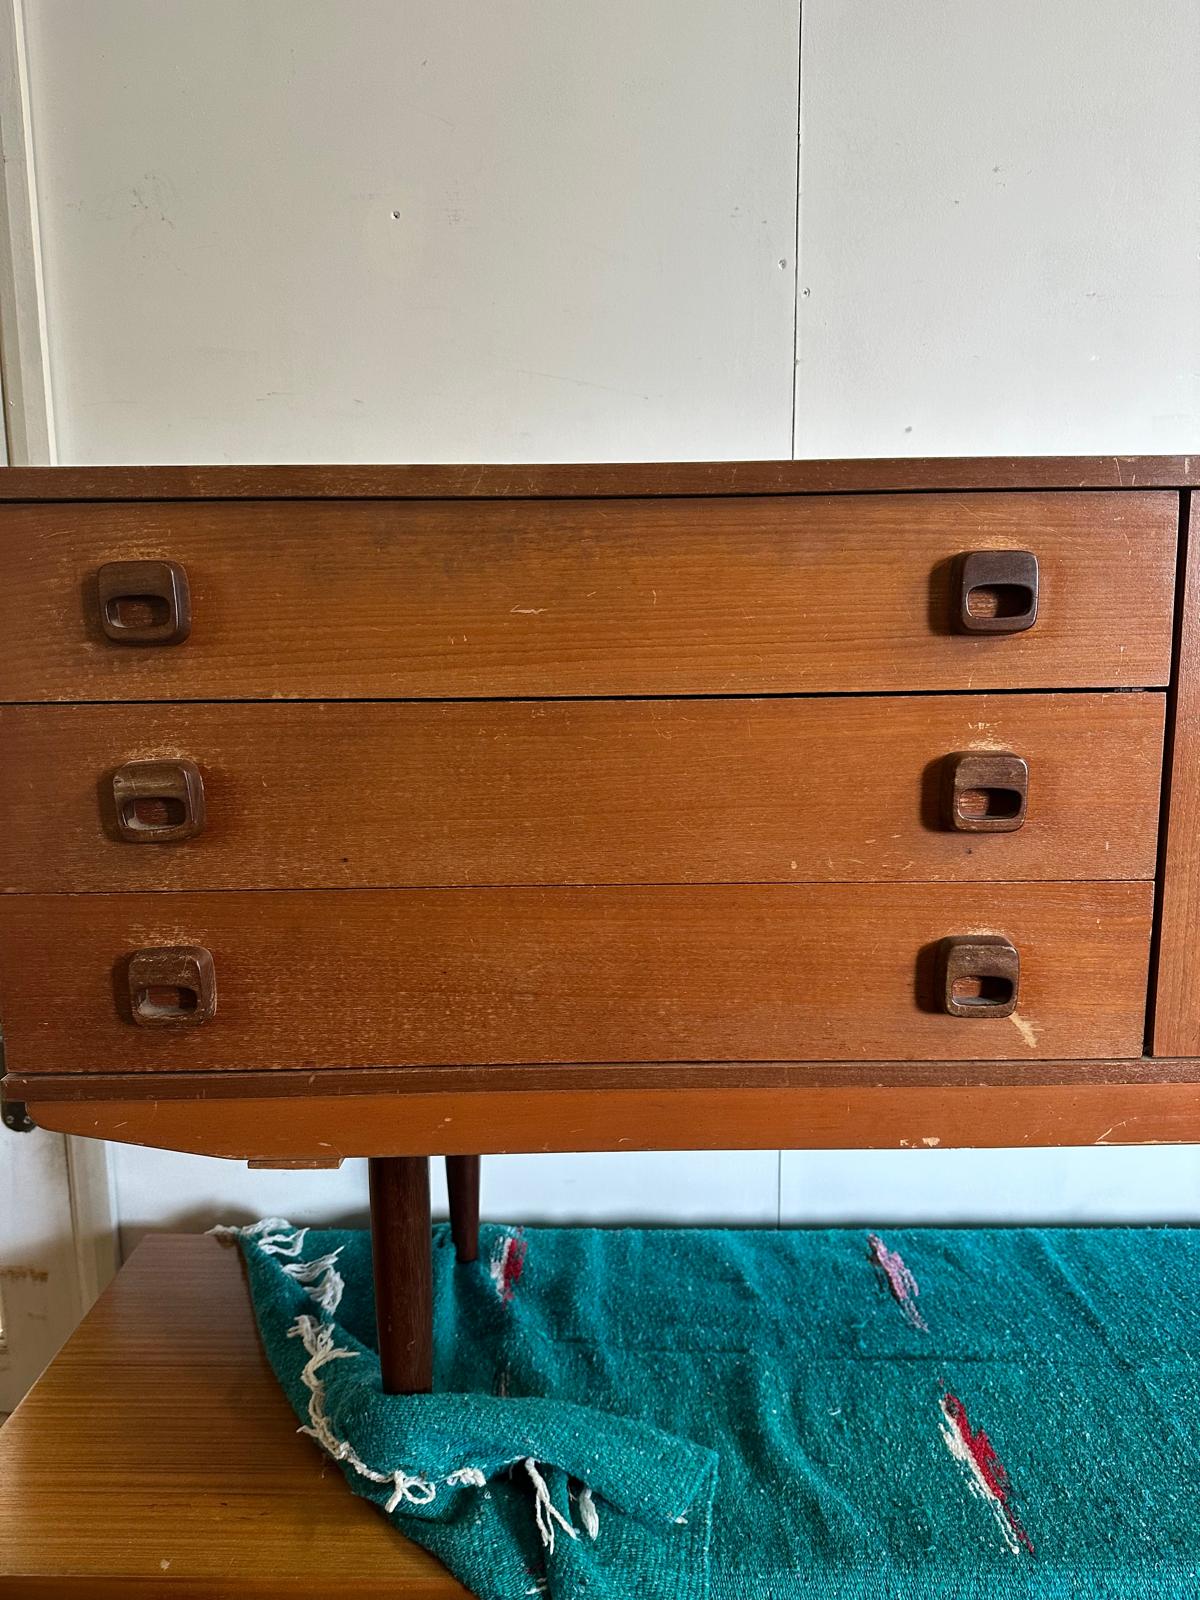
column 172, row 986
column 995, row 591
column 158, row 802
column 144, row 602
column 984, row 791
column 978, row 975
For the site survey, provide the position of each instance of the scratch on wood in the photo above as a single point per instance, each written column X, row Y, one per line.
column 1026, row 1027
column 1104, row 1137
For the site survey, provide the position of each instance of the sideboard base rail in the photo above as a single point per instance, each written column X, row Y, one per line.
column 931, row 1106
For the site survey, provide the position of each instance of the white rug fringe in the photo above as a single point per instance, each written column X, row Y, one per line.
column 275, row 1236
column 320, row 1348
column 544, row 1509
column 588, row 1514
column 324, row 1282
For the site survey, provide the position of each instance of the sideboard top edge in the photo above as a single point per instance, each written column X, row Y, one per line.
column 601, row 480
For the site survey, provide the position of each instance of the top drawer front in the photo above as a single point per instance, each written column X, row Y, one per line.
column 441, row 599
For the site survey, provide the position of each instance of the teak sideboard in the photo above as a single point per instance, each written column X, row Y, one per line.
column 411, row 811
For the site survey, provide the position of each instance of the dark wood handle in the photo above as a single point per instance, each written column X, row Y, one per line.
column 158, row 802
column 984, row 791
column 996, row 591
column 978, row 975
column 172, row 986
column 144, row 602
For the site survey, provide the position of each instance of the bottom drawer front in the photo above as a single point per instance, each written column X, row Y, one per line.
column 376, row 977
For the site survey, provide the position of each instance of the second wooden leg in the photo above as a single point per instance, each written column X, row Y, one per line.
column 462, row 1180
column 401, row 1249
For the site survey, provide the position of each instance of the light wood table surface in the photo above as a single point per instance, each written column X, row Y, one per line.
column 157, row 1456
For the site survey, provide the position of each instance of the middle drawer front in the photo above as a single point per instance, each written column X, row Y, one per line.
column 757, row 972
column 336, row 795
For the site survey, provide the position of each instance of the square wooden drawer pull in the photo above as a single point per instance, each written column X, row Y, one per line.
column 984, row 791
column 144, row 602
column 996, row 591
column 978, row 975
column 158, row 802
column 172, row 986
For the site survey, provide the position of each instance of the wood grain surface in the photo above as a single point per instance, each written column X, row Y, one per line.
column 335, row 795
column 443, row 599
column 944, row 1108
column 349, row 1082
column 157, row 1457
column 939, row 473
column 1176, row 1000
column 309, row 979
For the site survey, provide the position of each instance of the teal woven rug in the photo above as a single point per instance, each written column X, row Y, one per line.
column 718, row 1415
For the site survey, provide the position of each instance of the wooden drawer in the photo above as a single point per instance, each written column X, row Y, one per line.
column 631, row 791
column 429, row 599
column 314, row 979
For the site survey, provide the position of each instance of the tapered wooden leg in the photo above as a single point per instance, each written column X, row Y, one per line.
column 462, row 1180
column 402, row 1252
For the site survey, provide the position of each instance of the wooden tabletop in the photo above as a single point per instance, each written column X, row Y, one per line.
column 157, row 1456
column 606, row 478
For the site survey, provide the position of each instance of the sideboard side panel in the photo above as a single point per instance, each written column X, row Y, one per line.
column 1175, row 1028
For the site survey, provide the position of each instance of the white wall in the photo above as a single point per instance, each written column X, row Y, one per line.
column 1000, row 228
column 280, row 230
column 159, row 1189
column 351, row 230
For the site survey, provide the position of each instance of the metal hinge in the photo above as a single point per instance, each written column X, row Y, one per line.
column 15, row 1116
column 13, row 1113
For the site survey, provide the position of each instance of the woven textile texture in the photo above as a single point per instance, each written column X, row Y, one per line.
column 684, row 1414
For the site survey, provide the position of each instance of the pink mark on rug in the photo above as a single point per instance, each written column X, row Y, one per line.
column 985, row 1471
column 899, row 1279
column 508, row 1263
